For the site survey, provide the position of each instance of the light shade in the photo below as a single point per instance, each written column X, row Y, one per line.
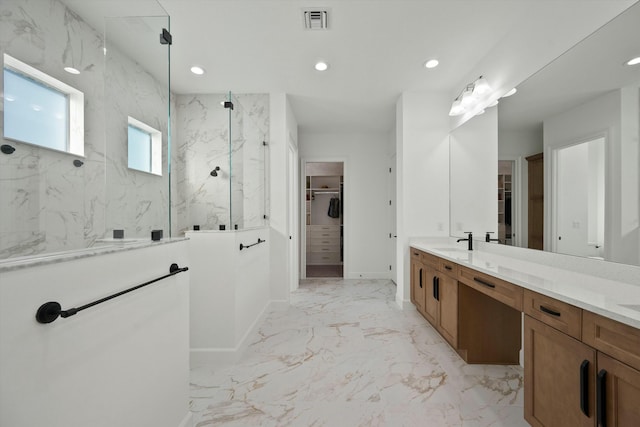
column 197, row 70
column 321, row 66
column 511, row 92
column 467, row 98
column 456, row 108
column 481, row 86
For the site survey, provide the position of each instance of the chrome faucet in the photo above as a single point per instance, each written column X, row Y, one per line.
column 468, row 239
column 488, row 239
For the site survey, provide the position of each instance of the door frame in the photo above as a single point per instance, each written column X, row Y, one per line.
column 303, row 206
column 293, row 217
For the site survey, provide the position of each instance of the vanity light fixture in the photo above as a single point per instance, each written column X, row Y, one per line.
column 321, row 66
column 634, row 61
column 473, row 98
column 432, row 63
column 72, row 70
column 511, row 92
column 197, row 70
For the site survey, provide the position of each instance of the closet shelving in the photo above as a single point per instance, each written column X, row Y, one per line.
column 324, row 233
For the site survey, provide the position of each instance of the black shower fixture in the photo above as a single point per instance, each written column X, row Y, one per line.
column 215, row 171
column 7, row 149
column 228, row 104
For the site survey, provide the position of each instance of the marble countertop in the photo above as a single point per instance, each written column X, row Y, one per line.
column 103, row 246
column 613, row 299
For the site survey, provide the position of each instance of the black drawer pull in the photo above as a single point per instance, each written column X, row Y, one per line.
column 416, row 253
column 584, row 387
column 437, row 289
column 448, row 267
column 433, row 288
column 549, row 311
column 420, row 278
column 601, row 398
column 482, row 282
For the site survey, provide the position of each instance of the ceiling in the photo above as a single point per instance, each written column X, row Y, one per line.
column 376, row 48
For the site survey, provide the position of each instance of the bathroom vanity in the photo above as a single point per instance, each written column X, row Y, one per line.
column 581, row 333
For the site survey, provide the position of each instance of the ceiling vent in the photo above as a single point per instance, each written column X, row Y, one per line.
column 315, row 19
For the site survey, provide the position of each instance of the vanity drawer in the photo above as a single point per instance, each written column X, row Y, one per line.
column 447, row 267
column 616, row 339
column 423, row 257
column 498, row 289
column 557, row 314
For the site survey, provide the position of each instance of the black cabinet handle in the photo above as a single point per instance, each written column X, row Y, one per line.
column 482, row 282
column 433, row 291
column 448, row 267
column 584, row 387
column 420, row 278
column 601, row 385
column 416, row 253
column 549, row 311
column 437, row 289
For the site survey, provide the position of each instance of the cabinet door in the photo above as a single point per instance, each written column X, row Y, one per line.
column 618, row 394
column 559, row 373
column 432, row 305
column 417, row 284
column 447, row 293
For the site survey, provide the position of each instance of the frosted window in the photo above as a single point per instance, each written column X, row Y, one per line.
column 139, row 149
column 35, row 113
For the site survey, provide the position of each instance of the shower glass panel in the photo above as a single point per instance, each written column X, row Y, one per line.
column 137, row 108
column 221, row 162
column 249, row 127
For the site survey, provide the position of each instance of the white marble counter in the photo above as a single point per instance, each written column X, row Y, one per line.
column 615, row 299
column 107, row 246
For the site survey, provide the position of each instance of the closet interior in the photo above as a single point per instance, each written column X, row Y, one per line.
column 324, row 219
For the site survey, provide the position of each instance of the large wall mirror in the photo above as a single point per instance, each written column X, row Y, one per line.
column 568, row 151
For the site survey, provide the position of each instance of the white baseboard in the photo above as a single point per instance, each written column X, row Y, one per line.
column 228, row 355
column 368, row 275
column 187, row 421
column 404, row 304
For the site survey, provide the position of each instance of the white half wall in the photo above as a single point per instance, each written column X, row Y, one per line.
column 121, row 363
column 366, row 202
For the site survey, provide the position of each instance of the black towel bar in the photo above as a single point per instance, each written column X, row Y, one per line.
column 248, row 246
column 50, row 311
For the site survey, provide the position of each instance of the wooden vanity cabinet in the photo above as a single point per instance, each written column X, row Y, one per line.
column 417, row 281
column 618, row 393
column 559, row 373
column 446, row 293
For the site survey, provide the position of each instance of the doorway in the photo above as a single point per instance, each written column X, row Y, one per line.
column 506, row 199
column 324, row 224
column 580, row 209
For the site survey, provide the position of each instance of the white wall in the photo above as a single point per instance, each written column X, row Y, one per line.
column 474, row 174
column 603, row 116
column 283, row 128
column 422, row 157
column 230, row 291
column 366, row 202
column 122, row 363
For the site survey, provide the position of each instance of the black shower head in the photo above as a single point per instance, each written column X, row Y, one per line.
column 215, row 171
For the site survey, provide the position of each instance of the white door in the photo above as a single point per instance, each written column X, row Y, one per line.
column 393, row 238
column 292, row 213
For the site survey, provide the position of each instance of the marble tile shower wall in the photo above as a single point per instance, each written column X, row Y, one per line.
column 203, row 130
column 48, row 204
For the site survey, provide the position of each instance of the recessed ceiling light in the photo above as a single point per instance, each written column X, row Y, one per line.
column 432, row 63
column 72, row 70
column 634, row 61
column 321, row 66
column 197, row 70
column 511, row 92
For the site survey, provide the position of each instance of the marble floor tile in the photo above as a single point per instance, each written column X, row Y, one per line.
column 344, row 354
